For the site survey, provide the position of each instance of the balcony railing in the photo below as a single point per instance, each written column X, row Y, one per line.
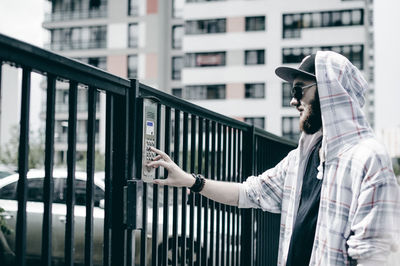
column 62, row 46
column 76, row 14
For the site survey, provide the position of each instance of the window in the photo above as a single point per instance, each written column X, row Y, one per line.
column 290, row 128
column 254, row 90
column 293, row 23
column 79, row 38
column 177, row 65
column 256, row 121
column 80, row 193
column 100, row 62
column 205, row 26
column 133, row 7
column 255, row 23
column 177, row 34
column 286, row 94
column 177, row 92
column 202, row 92
column 177, row 8
column 133, row 35
column 9, row 192
column 132, row 66
column 205, row 59
column 254, row 57
column 355, row 53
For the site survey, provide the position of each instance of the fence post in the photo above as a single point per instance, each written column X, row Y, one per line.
column 247, row 228
column 119, row 174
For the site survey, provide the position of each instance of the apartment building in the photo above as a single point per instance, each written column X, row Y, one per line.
column 233, row 47
column 129, row 38
column 220, row 54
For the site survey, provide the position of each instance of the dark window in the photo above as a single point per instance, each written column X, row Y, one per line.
column 254, row 90
column 256, row 121
column 177, row 92
column 205, row 26
column 177, row 65
column 293, row 23
column 9, row 192
column 177, row 34
column 80, row 193
column 355, row 53
column 133, row 35
column 205, row 59
column 202, row 92
column 286, row 95
column 92, row 37
column 254, row 57
column 35, row 189
column 290, row 128
column 132, row 66
column 255, row 23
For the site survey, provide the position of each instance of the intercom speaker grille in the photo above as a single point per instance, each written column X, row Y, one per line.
column 150, row 115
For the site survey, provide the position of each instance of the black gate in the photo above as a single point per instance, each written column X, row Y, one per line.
column 164, row 226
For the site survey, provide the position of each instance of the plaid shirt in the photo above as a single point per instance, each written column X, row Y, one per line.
column 360, row 197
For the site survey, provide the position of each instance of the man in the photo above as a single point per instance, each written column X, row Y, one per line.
column 337, row 194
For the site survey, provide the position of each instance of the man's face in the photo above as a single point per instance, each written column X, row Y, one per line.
column 308, row 106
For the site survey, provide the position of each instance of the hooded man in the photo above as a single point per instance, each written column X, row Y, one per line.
column 336, row 193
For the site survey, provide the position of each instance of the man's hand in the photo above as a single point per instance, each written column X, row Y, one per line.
column 176, row 176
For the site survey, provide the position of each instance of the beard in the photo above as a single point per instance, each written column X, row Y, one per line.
column 313, row 121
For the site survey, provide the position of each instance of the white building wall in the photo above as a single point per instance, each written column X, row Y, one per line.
column 387, row 73
column 235, row 43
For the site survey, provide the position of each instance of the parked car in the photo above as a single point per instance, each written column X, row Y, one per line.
column 8, row 201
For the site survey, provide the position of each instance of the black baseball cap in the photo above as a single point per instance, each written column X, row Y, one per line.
column 306, row 69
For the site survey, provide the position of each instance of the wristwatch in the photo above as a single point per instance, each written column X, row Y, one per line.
column 198, row 183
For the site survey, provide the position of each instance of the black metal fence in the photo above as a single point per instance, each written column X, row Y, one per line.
column 175, row 227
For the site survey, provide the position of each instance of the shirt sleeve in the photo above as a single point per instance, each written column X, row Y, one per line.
column 266, row 190
column 376, row 230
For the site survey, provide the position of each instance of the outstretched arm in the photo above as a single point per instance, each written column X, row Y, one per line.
column 222, row 192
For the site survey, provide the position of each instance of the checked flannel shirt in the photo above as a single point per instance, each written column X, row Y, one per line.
column 359, row 205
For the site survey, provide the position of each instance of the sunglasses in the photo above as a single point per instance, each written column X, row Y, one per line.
column 297, row 91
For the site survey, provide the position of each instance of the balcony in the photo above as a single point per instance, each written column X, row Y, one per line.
column 76, row 15
column 62, row 46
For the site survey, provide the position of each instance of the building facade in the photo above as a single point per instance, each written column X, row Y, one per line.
column 218, row 54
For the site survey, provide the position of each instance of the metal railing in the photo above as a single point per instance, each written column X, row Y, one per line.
column 178, row 228
column 76, row 14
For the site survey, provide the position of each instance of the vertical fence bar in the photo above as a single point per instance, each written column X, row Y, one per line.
column 156, row 258
column 166, row 188
column 184, row 190
column 212, row 203
column 239, row 213
column 218, row 205
column 229, row 208
column 197, row 195
column 23, row 148
column 107, row 181
column 191, row 196
column 224, row 207
column 48, row 176
column 175, row 190
column 119, row 162
column 91, row 138
column 205, row 200
column 234, row 210
column 71, row 159
column 247, row 232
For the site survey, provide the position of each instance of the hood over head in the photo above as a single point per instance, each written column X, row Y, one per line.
column 341, row 89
